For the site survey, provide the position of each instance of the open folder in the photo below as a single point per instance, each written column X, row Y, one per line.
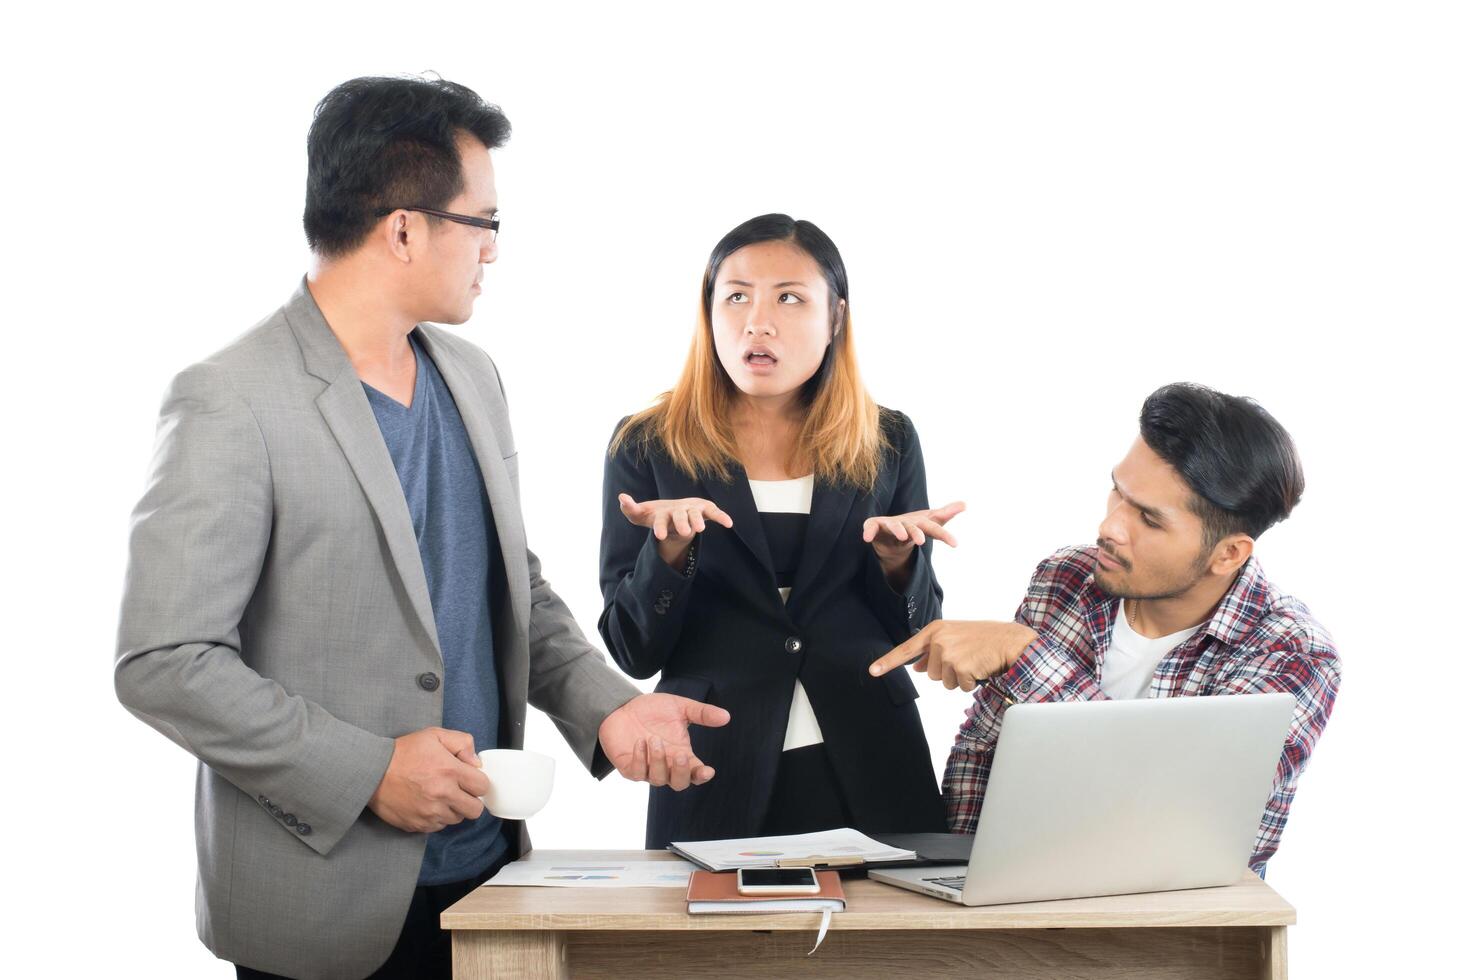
column 828, row 849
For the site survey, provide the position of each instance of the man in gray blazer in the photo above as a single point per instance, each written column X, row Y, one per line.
column 329, row 598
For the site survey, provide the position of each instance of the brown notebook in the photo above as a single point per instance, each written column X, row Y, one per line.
column 711, row 891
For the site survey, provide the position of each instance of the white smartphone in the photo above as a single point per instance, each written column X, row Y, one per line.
column 778, row 881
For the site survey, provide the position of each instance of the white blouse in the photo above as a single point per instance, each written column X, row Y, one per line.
column 791, row 497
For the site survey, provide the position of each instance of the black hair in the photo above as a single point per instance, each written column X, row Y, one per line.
column 382, row 143
column 1239, row 462
column 809, row 239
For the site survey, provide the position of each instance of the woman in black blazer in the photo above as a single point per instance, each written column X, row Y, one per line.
column 765, row 537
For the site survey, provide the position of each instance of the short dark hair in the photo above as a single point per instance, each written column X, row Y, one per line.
column 388, row 143
column 1239, row 462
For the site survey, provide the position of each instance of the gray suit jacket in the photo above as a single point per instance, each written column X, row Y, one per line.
column 276, row 623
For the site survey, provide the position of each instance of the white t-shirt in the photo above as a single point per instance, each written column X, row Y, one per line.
column 791, row 497
column 1131, row 658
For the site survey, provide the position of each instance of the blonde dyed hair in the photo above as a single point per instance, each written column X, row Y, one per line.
column 841, row 439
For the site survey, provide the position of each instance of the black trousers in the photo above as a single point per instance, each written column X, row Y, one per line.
column 423, row 951
column 806, row 797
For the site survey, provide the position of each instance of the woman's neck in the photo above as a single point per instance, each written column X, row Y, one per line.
column 766, row 431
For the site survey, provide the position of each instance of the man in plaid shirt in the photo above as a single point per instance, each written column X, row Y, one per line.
column 1171, row 602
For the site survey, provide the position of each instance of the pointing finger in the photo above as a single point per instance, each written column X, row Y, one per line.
column 903, row 652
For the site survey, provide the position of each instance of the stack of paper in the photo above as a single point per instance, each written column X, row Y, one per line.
column 829, row 848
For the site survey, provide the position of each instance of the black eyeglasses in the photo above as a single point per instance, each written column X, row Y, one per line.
column 492, row 223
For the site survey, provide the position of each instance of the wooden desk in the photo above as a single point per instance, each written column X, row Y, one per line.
column 631, row 933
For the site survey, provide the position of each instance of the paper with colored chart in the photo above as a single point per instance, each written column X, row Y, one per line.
column 550, row 873
column 828, row 848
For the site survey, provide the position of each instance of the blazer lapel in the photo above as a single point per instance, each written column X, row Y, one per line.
column 736, row 500
column 504, row 503
column 345, row 408
column 829, row 509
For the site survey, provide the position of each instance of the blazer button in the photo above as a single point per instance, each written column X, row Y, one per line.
column 429, row 681
column 304, row 829
column 290, row 819
column 793, row 645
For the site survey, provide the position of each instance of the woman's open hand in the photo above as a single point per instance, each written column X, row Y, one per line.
column 673, row 522
column 894, row 538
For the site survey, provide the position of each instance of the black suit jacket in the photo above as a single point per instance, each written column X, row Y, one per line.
column 723, row 635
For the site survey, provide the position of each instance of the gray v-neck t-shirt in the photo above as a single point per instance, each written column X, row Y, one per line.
column 451, row 516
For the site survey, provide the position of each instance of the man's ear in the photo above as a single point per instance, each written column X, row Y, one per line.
column 396, row 235
column 1231, row 553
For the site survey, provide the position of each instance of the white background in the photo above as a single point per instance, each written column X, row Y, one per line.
column 1046, row 210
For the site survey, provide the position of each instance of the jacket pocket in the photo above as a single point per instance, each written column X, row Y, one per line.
column 900, row 686
column 693, row 688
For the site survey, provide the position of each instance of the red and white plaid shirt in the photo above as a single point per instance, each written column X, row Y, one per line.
column 1257, row 641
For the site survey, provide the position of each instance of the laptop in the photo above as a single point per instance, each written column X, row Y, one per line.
column 1114, row 797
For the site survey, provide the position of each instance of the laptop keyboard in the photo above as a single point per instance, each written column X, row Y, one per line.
column 955, row 882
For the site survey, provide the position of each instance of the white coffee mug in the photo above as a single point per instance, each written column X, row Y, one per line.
column 520, row 782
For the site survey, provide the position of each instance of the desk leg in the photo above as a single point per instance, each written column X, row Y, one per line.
column 494, row 955
column 1272, row 953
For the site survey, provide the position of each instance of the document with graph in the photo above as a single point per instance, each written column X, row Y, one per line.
column 826, row 849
